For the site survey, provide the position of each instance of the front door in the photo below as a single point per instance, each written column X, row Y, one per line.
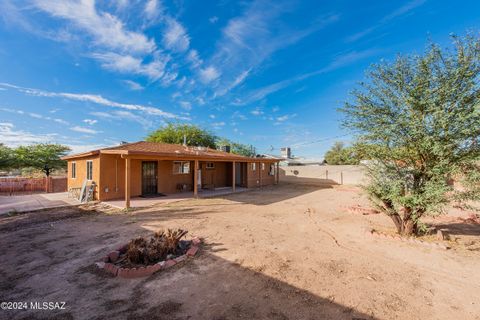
column 149, row 177
column 238, row 174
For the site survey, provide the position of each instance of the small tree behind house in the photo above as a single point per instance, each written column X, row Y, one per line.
column 43, row 156
column 339, row 154
column 421, row 114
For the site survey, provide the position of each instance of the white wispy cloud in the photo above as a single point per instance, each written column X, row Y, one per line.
column 286, row 117
column 185, row 105
column 128, row 64
column 339, row 61
column 34, row 115
column 132, row 85
column 152, row 9
column 256, row 112
column 175, row 36
column 194, row 58
column 124, row 115
column 200, row 101
column 238, row 115
column 12, row 137
column 93, row 98
column 117, row 47
column 250, row 38
column 237, row 81
column 218, row 124
column 61, row 121
column 90, row 121
column 105, row 29
column 84, row 130
column 213, row 19
column 406, row 8
column 209, row 74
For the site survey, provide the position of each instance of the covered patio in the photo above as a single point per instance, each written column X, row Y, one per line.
column 141, row 202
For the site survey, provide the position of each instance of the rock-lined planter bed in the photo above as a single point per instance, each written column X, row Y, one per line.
column 119, row 264
column 376, row 234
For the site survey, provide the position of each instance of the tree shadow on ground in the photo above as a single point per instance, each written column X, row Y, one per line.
column 460, row 228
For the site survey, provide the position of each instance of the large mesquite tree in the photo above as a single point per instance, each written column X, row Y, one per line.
column 177, row 132
column 421, row 115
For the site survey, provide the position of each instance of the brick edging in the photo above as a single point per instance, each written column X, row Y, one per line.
column 108, row 265
column 375, row 234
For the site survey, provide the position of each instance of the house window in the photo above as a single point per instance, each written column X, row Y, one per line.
column 263, row 166
column 272, row 170
column 89, row 169
column 210, row 165
column 181, row 167
column 254, row 166
column 74, row 170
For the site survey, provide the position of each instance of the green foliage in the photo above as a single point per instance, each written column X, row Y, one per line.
column 339, row 154
column 237, row 148
column 175, row 132
column 40, row 156
column 6, row 157
column 420, row 116
column 196, row 136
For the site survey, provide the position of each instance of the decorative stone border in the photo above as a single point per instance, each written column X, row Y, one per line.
column 376, row 234
column 108, row 263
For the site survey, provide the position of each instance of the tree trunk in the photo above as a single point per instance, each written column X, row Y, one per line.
column 406, row 225
column 409, row 227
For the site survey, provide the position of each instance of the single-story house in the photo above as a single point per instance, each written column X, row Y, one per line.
column 149, row 168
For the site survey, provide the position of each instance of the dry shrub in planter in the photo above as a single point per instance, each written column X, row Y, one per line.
column 162, row 244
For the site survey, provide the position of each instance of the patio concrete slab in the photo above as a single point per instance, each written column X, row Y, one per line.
column 139, row 202
column 35, row 202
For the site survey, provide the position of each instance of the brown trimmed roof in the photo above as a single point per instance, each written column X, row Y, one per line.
column 167, row 150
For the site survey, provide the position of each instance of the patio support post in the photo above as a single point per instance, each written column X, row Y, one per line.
column 195, row 179
column 260, row 172
column 127, row 181
column 233, row 176
column 278, row 173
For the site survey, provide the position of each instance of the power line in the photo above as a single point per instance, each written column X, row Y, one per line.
column 319, row 140
column 271, row 148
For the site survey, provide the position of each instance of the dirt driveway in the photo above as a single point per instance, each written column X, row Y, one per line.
column 287, row 252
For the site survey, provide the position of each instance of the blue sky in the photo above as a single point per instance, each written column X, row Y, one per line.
column 269, row 73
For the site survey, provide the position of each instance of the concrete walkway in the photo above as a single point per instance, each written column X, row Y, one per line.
column 35, row 201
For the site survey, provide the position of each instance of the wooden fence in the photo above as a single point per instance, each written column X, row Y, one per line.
column 19, row 185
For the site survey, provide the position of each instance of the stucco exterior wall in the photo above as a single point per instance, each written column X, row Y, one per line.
column 81, row 172
column 112, row 177
column 219, row 176
column 259, row 177
column 168, row 180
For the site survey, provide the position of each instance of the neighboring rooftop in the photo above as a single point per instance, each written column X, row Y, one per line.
column 164, row 149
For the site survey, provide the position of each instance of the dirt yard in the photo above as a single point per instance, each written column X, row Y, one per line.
column 286, row 252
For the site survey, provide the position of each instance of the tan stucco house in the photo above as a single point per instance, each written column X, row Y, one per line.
column 149, row 168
